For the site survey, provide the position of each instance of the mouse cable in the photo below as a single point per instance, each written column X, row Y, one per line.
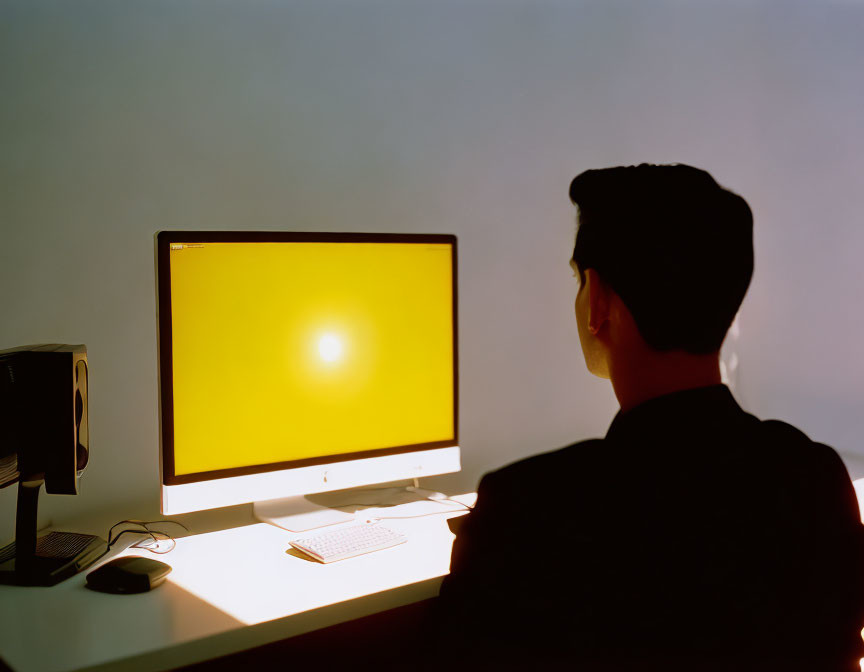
column 423, row 515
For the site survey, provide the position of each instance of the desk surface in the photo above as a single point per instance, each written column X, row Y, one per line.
column 228, row 591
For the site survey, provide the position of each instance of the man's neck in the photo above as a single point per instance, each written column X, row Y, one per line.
column 655, row 374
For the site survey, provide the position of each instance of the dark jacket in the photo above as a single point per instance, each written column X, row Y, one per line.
column 693, row 537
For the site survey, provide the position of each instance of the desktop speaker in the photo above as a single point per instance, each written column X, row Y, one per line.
column 44, row 438
column 44, row 406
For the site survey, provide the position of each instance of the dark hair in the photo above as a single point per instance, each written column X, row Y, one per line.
column 672, row 243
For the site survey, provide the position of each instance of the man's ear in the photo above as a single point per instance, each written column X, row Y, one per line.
column 598, row 301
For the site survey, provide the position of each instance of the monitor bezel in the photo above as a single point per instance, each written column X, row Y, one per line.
column 164, row 239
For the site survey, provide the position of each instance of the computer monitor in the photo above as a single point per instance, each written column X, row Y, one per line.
column 300, row 363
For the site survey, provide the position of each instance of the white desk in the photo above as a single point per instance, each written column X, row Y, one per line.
column 228, row 591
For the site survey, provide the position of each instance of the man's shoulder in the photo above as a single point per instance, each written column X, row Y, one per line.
column 791, row 446
column 543, row 466
column 807, row 466
column 511, row 492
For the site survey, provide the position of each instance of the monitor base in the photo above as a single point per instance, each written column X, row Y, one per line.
column 300, row 514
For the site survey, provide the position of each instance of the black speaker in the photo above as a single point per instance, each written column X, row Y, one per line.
column 45, row 413
column 44, row 438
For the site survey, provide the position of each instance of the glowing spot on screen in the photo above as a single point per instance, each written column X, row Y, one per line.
column 330, row 348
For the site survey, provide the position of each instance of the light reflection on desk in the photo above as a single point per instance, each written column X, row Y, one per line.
column 247, row 573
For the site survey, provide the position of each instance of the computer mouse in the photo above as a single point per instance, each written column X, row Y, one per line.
column 129, row 574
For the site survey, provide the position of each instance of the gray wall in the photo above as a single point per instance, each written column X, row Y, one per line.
column 118, row 119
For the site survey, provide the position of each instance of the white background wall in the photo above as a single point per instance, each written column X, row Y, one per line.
column 118, row 119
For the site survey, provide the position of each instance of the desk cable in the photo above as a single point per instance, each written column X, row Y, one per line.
column 420, row 515
column 423, row 515
column 156, row 535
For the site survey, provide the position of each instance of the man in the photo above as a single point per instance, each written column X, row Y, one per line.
column 693, row 536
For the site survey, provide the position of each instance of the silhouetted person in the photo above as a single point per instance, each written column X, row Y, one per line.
column 693, row 536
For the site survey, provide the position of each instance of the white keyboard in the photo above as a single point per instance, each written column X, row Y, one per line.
column 346, row 542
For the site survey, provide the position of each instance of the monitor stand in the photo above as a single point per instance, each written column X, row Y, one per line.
column 301, row 514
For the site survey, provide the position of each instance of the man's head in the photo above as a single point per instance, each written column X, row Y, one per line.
column 674, row 248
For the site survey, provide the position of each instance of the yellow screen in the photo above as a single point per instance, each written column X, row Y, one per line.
column 293, row 350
